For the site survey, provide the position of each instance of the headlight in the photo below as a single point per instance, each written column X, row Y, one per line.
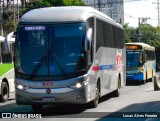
column 78, row 85
column 21, row 87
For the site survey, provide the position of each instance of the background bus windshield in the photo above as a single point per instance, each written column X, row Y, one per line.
column 134, row 59
column 49, row 50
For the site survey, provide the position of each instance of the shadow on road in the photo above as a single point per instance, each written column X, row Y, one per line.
column 79, row 111
column 60, row 110
column 133, row 83
column 134, row 112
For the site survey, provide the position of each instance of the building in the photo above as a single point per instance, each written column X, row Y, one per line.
column 112, row 8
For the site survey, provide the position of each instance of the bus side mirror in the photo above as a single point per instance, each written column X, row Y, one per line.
column 7, row 42
column 88, row 38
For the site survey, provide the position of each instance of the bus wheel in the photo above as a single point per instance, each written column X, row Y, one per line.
column 95, row 102
column 37, row 107
column 116, row 93
column 155, row 84
column 4, row 92
column 145, row 80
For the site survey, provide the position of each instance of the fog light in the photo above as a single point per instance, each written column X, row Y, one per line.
column 78, row 96
column 22, row 99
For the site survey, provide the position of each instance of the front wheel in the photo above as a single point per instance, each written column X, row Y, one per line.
column 95, row 102
column 4, row 92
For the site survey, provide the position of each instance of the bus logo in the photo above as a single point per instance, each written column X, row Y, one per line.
column 47, row 84
column 48, row 91
column 119, row 60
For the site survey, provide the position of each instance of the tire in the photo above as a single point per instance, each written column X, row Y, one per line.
column 4, row 92
column 156, row 87
column 145, row 80
column 37, row 107
column 94, row 103
column 116, row 93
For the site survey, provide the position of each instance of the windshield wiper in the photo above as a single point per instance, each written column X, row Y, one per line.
column 39, row 64
column 59, row 65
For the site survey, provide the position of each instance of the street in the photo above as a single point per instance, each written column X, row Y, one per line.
column 134, row 99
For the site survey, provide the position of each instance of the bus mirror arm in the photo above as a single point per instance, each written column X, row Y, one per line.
column 6, row 41
column 88, row 38
column 144, row 59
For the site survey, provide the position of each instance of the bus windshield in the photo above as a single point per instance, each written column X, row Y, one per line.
column 134, row 59
column 50, row 50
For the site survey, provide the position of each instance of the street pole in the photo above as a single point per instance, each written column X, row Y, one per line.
column 139, row 29
column 158, row 13
column 139, row 23
column 1, row 20
column 99, row 5
column 14, row 23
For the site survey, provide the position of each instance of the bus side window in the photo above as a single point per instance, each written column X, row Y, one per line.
column 6, row 57
column 90, row 24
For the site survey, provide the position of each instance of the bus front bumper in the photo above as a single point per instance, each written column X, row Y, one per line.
column 138, row 77
column 75, row 96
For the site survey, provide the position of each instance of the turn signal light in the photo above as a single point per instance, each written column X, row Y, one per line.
column 95, row 68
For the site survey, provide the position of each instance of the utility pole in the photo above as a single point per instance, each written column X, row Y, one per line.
column 139, row 23
column 157, row 11
column 99, row 5
column 1, row 19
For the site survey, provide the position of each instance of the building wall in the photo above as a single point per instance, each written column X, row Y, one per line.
column 112, row 8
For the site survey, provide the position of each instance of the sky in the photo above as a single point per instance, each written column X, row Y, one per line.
column 142, row 8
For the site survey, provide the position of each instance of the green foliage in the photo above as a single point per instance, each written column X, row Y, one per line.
column 33, row 4
column 129, row 33
column 50, row 3
column 149, row 34
column 74, row 3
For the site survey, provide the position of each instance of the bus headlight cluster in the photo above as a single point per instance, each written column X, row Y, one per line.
column 79, row 85
column 21, row 87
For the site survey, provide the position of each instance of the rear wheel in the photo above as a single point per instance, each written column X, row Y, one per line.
column 37, row 107
column 4, row 92
column 95, row 102
column 116, row 93
column 145, row 80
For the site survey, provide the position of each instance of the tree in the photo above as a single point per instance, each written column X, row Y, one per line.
column 50, row 3
column 129, row 33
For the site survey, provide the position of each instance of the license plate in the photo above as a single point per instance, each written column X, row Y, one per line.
column 49, row 99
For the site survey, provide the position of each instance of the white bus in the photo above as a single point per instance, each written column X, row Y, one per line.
column 68, row 55
column 6, row 70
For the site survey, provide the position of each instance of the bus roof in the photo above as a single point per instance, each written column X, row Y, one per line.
column 144, row 45
column 64, row 14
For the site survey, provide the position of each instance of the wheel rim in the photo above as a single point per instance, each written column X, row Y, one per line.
column 97, row 96
column 5, row 92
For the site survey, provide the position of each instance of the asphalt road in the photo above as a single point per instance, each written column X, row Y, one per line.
column 135, row 100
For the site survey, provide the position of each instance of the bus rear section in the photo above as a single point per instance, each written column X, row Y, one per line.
column 140, row 62
column 6, row 70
